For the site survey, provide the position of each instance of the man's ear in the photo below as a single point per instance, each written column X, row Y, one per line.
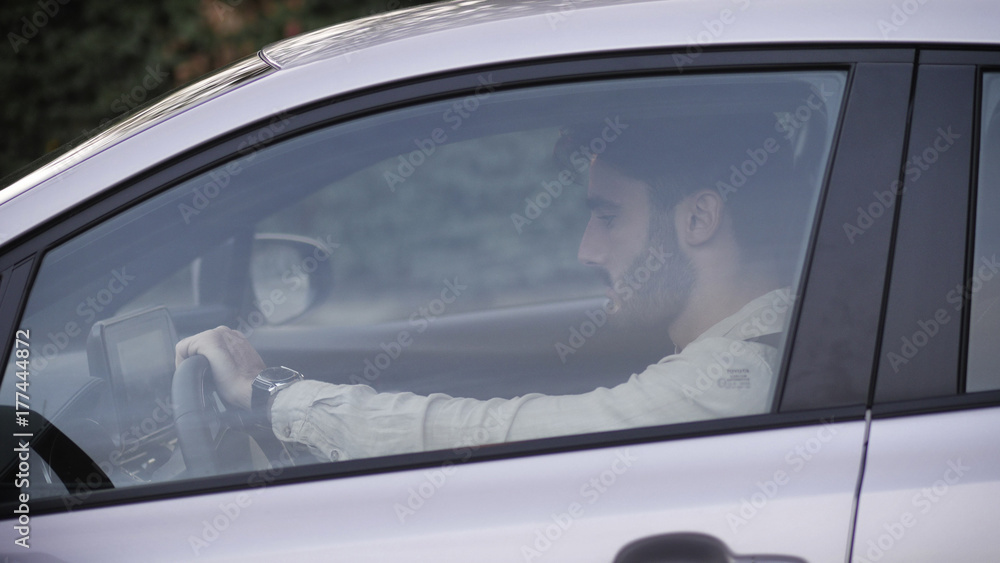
column 699, row 217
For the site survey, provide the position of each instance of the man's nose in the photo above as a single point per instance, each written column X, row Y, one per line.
column 592, row 252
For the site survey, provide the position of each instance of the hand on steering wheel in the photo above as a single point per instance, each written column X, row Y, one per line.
column 219, row 359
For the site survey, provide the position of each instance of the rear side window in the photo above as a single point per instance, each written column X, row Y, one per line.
column 984, row 285
column 498, row 267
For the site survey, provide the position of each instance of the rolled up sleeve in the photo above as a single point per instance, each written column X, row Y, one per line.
column 712, row 378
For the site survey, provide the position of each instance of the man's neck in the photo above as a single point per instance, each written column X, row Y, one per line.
column 710, row 303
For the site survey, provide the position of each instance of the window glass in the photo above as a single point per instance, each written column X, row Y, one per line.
column 984, row 290
column 504, row 266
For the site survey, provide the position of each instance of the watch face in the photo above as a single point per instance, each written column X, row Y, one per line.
column 279, row 374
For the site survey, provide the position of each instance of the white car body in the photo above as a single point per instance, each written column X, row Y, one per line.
column 824, row 491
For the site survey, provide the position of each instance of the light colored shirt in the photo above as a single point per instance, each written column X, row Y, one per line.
column 719, row 374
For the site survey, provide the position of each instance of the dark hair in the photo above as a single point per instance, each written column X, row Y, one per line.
column 765, row 176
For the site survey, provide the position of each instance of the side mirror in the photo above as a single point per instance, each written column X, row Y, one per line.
column 289, row 274
column 690, row 547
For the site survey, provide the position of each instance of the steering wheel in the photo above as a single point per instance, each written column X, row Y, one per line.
column 197, row 413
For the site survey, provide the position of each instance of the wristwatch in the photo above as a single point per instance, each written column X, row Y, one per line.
column 268, row 382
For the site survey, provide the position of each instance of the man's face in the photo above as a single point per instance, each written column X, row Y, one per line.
column 635, row 250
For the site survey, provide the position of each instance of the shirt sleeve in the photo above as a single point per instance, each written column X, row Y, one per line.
column 711, row 378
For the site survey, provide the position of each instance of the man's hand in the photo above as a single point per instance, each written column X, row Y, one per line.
column 234, row 362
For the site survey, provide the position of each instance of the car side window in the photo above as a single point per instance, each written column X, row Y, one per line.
column 386, row 264
column 984, row 290
column 507, row 265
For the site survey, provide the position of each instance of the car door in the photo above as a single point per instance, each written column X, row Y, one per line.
column 931, row 470
column 451, row 182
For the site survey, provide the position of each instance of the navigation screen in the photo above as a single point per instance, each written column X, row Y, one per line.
column 136, row 353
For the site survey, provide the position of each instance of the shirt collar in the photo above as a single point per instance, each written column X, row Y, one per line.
column 761, row 316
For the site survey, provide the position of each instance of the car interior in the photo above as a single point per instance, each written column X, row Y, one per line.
column 232, row 245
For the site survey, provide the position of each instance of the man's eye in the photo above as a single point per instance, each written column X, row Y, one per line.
column 608, row 219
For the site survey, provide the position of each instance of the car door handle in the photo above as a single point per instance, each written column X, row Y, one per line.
column 690, row 547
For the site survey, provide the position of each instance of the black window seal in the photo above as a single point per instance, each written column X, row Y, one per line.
column 986, row 61
column 930, row 405
column 916, row 293
column 814, row 232
column 971, row 219
column 979, row 55
column 13, row 281
column 869, row 152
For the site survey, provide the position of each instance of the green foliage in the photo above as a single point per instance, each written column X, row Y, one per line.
column 67, row 66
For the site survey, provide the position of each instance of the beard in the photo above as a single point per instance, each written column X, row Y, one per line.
column 657, row 284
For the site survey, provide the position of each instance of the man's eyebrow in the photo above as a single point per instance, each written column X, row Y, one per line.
column 596, row 202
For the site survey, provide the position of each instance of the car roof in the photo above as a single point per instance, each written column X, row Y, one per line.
column 460, row 34
column 605, row 25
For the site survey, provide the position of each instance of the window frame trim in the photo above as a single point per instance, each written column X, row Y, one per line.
column 906, row 295
column 862, row 141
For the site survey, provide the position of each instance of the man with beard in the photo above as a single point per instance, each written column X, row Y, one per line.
column 661, row 196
